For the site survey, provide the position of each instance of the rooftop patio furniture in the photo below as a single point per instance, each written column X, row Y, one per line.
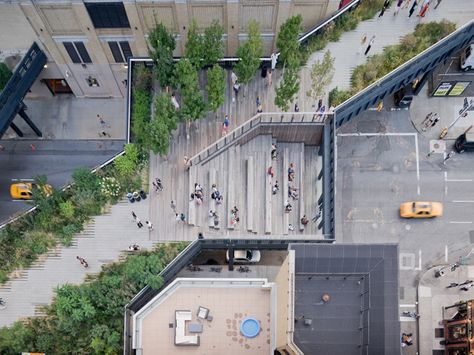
column 203, row 312
column 195, row 327
column 180, row 337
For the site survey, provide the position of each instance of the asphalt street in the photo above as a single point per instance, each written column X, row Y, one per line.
column 383, row 161
column 55, row 159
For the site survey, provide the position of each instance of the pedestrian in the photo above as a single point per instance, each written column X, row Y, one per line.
column 320, row 104
column 177, row 217
column 466, row 287
column 466, row 282
column 104, row 134
column 304, row 220
column 173, row 206
column 363, row 40
column 134, row 216
column 435, row 121
column 290, row 227
column 275, row 188
column 413, row 8
column 159, row 184
column 233, row 78
column 297, row 108
column 102, row 122
column 149, row 225
column 371, row 42
column 397, row 9
column 437, row 4
column 384, row 7
column 273, row 58
column 271, row 172
column 288, row 207
column 269, row 77
column 291, row 172
column 428, row 116
column 453, row 284
column 225, row 126
column 424, row 8
column 236, row 88
column 139, row 223
column 259, row 105
column 182, row 217
column 273, row 152
column 174, row 101
column 449, row 156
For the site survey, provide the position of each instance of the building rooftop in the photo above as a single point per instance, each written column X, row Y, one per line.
column 359, row 313
column 229, row 302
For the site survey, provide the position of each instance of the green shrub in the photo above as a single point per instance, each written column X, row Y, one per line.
column 127, row 164
column 5, row 75
column 337, row 96
column 378, row 65
column 66, row 209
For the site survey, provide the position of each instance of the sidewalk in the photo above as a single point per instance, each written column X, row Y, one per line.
column 448, row 110
column 103, row 241
column 349, row 52
column 67, row 117
column 433, row 296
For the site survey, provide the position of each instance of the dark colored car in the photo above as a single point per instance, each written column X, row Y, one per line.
column 465, row 142
column 404, row 97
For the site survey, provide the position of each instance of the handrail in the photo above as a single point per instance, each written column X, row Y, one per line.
column 260, row 118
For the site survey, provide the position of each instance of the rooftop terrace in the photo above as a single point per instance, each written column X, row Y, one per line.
column 229, row 302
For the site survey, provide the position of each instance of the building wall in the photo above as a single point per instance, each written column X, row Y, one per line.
column 53, row 22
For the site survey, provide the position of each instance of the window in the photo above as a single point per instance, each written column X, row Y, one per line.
column 108, row 15
column 121, row 51
column 78, row 52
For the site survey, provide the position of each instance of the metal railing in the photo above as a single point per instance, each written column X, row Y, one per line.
column 264, row 118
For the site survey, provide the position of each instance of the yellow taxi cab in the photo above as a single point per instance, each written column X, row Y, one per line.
column 23, row 190
column 421, row 209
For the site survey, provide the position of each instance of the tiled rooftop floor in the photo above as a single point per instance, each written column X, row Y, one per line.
column 228, row 306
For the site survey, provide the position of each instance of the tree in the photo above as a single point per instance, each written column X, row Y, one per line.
column 287, row 40
column 249, row 54
column 194, row 49
column 288, row 88
column 215, row 87
column 213, row 47
column 192, row 102
column 162, row 46
column 322, row 73
column 160, row 128
column 126, row 164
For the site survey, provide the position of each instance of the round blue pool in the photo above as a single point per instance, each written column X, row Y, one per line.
column 250, row 327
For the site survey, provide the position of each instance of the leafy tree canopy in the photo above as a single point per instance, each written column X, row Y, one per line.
column 322, row 73
column 213, row 45
column 194, row 49
column 249, row 54
column 162, row 45
column 215, row 87
column 287, row 40
column 193, row 106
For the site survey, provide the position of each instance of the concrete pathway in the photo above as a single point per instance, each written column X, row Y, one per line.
column 349, row 51
column 105, row 239
column 68, row 117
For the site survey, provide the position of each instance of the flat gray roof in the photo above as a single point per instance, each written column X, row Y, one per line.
column 361, row 316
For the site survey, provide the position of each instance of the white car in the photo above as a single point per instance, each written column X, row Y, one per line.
column 244, row 256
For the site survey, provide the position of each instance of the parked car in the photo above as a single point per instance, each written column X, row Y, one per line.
column 244, row 256
column 23, row 190
column 421, row 209
column 404, row 96
column 467, row 58
column 465, row 142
